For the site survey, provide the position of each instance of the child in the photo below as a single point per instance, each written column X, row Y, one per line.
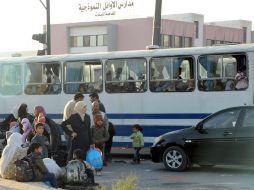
column 40, row 138
column 79, row 155
column 41, row 173
column 137, row 143
column 99, row 134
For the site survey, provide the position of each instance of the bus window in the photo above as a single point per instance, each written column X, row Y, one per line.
column 82, row 76
column 172, row 74
column 42, row 78
column 126, row 75
column 11, row 79
column 222, row 73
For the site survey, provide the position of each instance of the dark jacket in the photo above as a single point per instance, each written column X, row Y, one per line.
column 83, row 139
column 100, row 135
column 39, row 168
column 101, row 107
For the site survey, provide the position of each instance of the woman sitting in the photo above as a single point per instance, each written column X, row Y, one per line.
column 12, row 152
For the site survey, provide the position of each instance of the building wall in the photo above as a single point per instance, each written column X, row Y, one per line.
column 239, row 24
column 59, row 39
column 136, row 34
column 220, row 33
column 191, row 18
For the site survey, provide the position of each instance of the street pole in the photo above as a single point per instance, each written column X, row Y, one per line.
column 157, row 23
column 48, row 28
column 47, row 7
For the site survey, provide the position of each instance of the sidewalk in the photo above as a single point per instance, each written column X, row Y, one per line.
column 12, row 184
column 117, row 152
column 129, row 151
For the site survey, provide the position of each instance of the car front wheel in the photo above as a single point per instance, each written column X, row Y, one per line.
column 175, row 159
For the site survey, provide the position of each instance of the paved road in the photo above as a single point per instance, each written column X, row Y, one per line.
column 153, row 176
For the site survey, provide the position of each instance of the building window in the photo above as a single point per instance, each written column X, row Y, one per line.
column 196, row 29
column 77, row 41
column 86, row 41
column 187, row 42
column 178, row 41
column 92, row 40
column 100, row 40
column 89, row 41
column 244, row 34
column 105, row 39
column 165, row 40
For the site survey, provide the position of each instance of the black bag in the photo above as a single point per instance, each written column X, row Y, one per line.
column 24, row 169
column 60, row 156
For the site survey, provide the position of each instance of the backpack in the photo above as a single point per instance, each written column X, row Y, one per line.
column 24, row 169
column 94, row 158
column 75, row 173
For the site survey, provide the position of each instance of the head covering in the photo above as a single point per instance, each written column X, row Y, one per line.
column 13, row 143
column 38, row 110
column 79, row 107
column 27, row 128
column 22, row 111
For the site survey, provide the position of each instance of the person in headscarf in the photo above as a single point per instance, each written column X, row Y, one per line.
column 38, row 110
column 40, row 117
column 12, row 152
column 27, row 129
column 80, row 133
column 23, row 113
column 99, row 130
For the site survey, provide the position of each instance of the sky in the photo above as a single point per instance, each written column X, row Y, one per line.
column 20, row 19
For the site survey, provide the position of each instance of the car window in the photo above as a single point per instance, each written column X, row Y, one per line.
column 248, row 118
column 225, row 119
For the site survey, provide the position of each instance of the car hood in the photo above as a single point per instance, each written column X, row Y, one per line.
column 181, row 132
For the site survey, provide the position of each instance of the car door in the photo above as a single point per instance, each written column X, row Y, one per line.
column 214, row 141
column 244, row 150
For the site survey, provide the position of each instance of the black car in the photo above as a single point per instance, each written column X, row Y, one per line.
column 225, row 137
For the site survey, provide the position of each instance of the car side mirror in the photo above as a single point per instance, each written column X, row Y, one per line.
column 200, row 128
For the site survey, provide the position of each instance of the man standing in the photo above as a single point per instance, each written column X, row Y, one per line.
column 95, row 97
column 69, row 107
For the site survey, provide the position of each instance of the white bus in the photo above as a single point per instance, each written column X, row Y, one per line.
column 162, row 90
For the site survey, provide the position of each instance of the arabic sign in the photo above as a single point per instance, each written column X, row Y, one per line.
column 107, row 8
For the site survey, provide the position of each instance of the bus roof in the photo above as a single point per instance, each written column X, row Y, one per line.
column 137, row 53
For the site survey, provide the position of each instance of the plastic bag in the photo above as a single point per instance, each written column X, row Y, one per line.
column 52, row 167
column 94, row 158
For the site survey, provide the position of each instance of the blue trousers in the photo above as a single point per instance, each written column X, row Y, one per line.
column 137, row 155
column 51, row 179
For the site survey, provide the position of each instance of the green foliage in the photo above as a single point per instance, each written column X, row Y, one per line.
column 124, row 183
